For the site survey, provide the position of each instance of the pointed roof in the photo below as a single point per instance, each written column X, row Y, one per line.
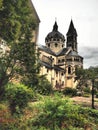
column 71, row 30
column 55, row 27
column 55, row 33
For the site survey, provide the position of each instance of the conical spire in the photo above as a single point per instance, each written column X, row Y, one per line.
column 71, row 30
column 55, row 27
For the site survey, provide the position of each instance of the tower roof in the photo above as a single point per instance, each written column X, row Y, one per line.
column 55, row 33
column 55, row 27
column 71, row 30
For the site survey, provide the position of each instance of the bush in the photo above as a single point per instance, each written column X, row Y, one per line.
column 87, row 90
column 18, row 97
column 57, row 114
column 44, row 87
column 96, row 95
column 70, row 91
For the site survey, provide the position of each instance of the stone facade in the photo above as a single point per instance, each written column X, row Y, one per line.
column 59, row 62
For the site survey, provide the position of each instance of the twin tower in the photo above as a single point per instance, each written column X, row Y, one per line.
column 59, row 62
column 56, row 41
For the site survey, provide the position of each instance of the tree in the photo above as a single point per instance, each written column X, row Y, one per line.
column 15, row 17
column 0, row 4
column 16, row 25
column 87, row 74
column 28, row 60
column 7, row 70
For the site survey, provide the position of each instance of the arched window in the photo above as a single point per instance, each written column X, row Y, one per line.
column 48, row 44
column 63, row 60
column 69, row 70
column 58, row 61
column 56, row 44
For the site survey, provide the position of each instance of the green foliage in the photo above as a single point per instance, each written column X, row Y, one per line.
column 59, row 114
column 83, row 75
column 86, row 74
column 29, row 67
column 1, row 4
column 18, row 96
column 15, row 19
column 87, row 90
column 8, row 68
column 70, row 91
column 96, row 95
column 16, row 26
column 44, row 87
column 50, row 113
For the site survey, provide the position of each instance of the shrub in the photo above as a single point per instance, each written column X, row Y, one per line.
column 18, row 96
column 70, row 91
column 96, row 95
column 87, row 90
column 44, row 87
column 58, row 114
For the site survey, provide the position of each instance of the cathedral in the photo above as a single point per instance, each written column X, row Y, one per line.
column 59, row 62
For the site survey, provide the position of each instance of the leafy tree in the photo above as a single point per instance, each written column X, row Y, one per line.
column 8, row 68
column 16, row 25
column 15, row 18
column 0, row 3
column 29, row 67
column 87, row 74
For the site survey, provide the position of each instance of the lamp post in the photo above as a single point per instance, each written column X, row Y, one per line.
column 93, row 107
column 93, row 90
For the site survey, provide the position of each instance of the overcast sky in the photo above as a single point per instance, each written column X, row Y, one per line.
column 84, row 14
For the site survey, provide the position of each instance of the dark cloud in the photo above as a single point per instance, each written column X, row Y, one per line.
column 90, row 55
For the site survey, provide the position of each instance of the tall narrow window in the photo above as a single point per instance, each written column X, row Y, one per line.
column 48, row 44
column 56, row 44
column 69, row 70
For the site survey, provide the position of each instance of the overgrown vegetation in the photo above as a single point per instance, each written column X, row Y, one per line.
column 18, row 97
column 70, row 91
column 16, row 26
column 50, row 113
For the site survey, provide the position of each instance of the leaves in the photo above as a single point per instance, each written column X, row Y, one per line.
column 62, row 114
column 16, row 26
column 18, row 96
column 86, row 74
column 15, row 18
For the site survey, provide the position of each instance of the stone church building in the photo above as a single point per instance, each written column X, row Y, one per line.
column 58, row 62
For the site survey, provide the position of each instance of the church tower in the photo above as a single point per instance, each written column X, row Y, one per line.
column 55, row 40
column 72, row 37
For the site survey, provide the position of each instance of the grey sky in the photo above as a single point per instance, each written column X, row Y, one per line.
column 85, row 17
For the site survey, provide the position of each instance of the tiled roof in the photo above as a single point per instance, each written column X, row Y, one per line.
column 48, row 50
column 62, row 52
column 46, row 64
column 74, row 53
column 55, row 67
